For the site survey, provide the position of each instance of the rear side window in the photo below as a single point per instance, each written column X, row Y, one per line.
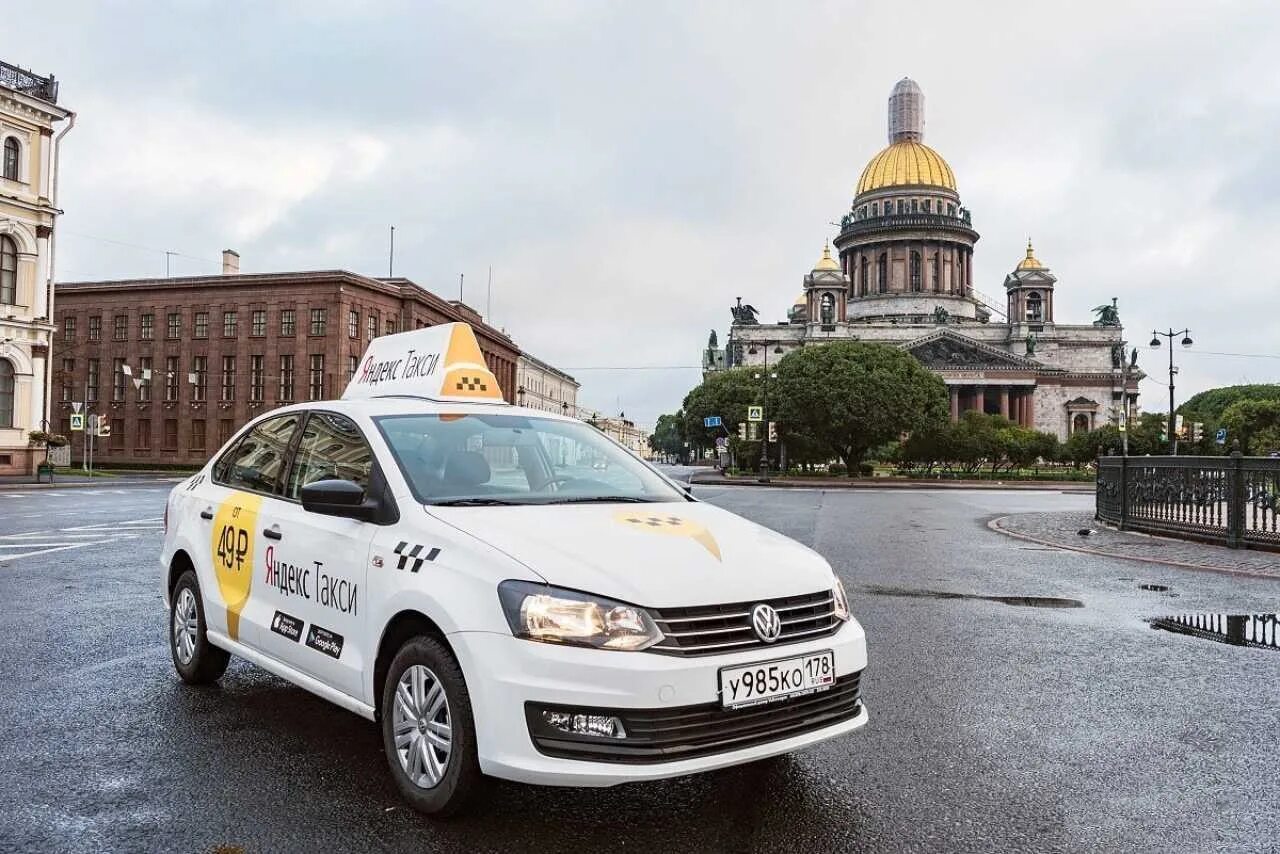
column 332, row 448
column 256, row 462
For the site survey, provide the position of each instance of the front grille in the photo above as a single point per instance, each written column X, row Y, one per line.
column 666, row 735
column 711, row 629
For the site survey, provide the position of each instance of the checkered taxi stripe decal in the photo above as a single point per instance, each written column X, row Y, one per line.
column 466, row 383
column 414, row 553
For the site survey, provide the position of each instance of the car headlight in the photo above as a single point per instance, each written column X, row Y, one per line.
column 540, row 612
column 841, row 601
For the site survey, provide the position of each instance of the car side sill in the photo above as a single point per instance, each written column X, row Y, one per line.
column 284, row 671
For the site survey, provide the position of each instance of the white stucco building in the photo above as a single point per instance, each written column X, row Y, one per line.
column 541, row 386
column 31, row 127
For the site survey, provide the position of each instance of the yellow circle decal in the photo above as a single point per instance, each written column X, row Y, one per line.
column 232, row 549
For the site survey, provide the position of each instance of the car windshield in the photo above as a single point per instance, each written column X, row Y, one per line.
column 495, row 459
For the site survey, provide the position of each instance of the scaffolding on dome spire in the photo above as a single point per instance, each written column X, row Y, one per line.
column 906, row 112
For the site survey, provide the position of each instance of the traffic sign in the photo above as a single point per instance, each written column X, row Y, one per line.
column 711, row 421
column 721, row 443
column 1221, row 436
column 75, row 405
column 77, row 421
column 755, row 413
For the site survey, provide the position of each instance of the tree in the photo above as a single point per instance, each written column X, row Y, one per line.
column 726, row 394
column 1256, row 423
column 1210, row 405
column 852, row 396
column 669, row 436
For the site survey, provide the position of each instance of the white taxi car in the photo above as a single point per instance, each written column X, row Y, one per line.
column 468, row 574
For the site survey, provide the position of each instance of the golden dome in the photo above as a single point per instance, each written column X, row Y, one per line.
column 906, row 164
column 826, row 262
column 1030, row 262
column 802, row 300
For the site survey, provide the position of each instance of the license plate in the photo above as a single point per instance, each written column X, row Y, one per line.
column 770, row 681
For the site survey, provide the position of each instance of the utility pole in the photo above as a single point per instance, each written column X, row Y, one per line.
column 167, row 256
column 461, row 278
column 1156, row 345
column 391, row 255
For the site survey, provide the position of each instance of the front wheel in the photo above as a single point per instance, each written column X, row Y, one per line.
column 427, row 729
column 197, row 661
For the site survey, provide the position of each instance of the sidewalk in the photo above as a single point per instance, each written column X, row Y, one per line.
column 716, row 479
column 1062, row 531
column 16, row 482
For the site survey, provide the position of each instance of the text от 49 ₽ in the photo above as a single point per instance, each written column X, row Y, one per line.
column 410, row 366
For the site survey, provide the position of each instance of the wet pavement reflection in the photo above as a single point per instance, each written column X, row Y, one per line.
column 1253, row 630
column 1020, row 601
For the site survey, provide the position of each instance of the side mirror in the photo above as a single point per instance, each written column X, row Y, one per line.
column 338, row 498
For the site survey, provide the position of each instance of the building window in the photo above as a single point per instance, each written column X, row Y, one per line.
column 935, row 272
column 91, row 382
column 352, row 363
column 6, row 393
column 200, row 367
column 353, row 324
column 146, row 327
column 288, row 319
column 916, row 285
column 928, row 205
column 1035, row 307
column 226, row 427
column 120, row 328
column 68, row 378
column 256, row 379
column 229, row 324
column 117, row 434
column 317, row 321
column 11, row 153
column 142, row 436
column 144, row 379
column 197, row 434
column 902, row 206
column 174, row 329
column 286, row 379
column 8, row 270
column 882, row 273
column 371, row 326
column 863, row 290
column 391, row 326
column 170, row 378
column 915, row 206
column 315, row 383
column 258, row 323
column 200, row 322
column 171, row 434
column 951, row 210
column 875, row 209
column 117, row 379
column 228, row 377
column 69, row 328
column 95, row 328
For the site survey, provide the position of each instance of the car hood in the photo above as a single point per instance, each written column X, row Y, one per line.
column 657, row 555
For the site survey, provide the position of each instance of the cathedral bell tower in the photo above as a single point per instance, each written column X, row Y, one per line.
column 1030, row 293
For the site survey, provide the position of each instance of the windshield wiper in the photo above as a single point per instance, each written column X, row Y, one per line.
column 604, row 499
column 475, row 502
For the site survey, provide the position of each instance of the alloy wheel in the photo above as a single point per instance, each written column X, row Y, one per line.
column 421, row 726
column 185, row 626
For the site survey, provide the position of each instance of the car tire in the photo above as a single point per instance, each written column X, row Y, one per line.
column 197, row 661
column 414, row 723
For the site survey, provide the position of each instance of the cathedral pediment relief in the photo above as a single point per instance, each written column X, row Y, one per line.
column 942, row 351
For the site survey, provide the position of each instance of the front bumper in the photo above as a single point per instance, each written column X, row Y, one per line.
column 507, row 677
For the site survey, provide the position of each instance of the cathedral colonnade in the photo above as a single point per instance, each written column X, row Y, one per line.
column 1014, row 401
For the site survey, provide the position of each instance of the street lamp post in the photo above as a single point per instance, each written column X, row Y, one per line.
column 1156, row 344
column 764, row 423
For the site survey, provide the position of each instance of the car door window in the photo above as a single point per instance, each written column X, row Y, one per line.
column 257, row 461
column 332, row 448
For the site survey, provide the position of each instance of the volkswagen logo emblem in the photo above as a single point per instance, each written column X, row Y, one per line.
column 766, row 622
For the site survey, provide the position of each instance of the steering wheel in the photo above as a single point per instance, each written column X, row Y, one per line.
column 554, row 479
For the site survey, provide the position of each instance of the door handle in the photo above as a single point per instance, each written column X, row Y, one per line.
column 206, row 514
column 271, row 533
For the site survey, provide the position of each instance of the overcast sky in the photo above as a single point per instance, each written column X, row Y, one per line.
column 628, row 169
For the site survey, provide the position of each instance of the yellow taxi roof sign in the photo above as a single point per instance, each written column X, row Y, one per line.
column 439, row 362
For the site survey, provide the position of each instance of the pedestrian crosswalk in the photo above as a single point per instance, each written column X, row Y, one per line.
column 14, row 547
column 28, row 494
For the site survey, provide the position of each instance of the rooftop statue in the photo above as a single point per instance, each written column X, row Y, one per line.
column 712, row 342
column 940, row 314
column 743, row 313
column 1031, row 343
column 1108, row 315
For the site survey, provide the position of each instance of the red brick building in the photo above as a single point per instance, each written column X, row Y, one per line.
column 221, row 350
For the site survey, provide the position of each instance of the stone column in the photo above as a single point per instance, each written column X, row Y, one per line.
column 955, row 402
column 980, row 398
column 1004, row 401
column 1029, row 406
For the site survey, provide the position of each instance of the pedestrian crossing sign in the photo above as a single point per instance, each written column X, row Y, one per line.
column 77, row 421
column 755, row 413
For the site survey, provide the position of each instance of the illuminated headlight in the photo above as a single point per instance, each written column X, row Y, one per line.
column 602, row 726
column 552, row 615
column 841, row 601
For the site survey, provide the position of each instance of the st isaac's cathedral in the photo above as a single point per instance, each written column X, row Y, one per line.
column 904, row 278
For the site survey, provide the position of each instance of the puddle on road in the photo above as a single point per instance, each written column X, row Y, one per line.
column 1260, row 631
column 1020, row 601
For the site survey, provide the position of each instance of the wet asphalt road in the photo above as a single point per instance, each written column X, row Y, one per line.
column 993, row 727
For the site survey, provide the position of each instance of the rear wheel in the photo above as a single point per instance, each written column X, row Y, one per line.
column 197, row 661
column 427, row 729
